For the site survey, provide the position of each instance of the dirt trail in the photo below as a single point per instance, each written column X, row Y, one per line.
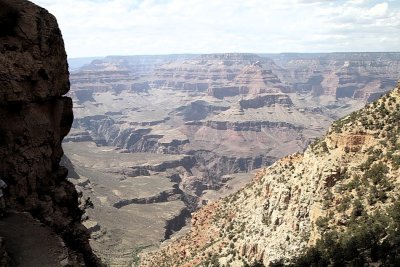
column 30, row 243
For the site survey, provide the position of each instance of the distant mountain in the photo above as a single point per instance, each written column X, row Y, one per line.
column 76, row 63
column 336, row 204
column 341, row 75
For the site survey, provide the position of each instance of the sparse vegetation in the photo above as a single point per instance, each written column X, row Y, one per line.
column 369, row 239
column 361, row 222
column 344, row 204
column 322, row 223
column 135, row 255
column 369, row 229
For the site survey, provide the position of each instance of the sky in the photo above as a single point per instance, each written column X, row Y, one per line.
column 148, row 27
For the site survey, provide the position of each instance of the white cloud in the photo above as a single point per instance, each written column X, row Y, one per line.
column 356, row 2
column 104, row 27
column 379, row 10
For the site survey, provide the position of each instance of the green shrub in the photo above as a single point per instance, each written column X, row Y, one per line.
column 322, row 223
column 377, row 173
column 371, row 239
column 344, row 204
column 358, row 208
column 396, row 161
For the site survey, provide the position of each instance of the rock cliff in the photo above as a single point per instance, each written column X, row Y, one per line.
column 343, row 189
column 34, row 118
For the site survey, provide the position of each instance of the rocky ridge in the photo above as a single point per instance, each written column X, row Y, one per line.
column 34, row 118
column 341, row 179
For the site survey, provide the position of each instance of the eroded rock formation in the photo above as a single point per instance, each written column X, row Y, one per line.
column 343, row 185
column 34, row 118
column 229, row 113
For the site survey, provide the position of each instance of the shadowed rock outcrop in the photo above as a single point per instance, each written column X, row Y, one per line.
column 34, row 118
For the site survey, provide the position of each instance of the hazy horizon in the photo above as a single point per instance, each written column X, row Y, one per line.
column 255, row 53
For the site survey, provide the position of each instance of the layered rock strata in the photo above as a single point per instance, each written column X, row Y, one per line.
column 231, row 113
column 341, row 181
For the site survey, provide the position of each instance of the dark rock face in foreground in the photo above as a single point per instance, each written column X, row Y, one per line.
column 34, row 118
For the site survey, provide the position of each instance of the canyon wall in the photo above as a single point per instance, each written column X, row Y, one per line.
column 336, row 204
column 34, row 118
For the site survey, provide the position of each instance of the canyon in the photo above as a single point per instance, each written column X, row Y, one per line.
column 335, row 204
column 157, row 137
column 166, row 163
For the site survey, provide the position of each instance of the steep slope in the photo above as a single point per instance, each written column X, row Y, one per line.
column 348, row 175
column 34, row 118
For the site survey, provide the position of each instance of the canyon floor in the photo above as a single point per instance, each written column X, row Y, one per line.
column 156, row 137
